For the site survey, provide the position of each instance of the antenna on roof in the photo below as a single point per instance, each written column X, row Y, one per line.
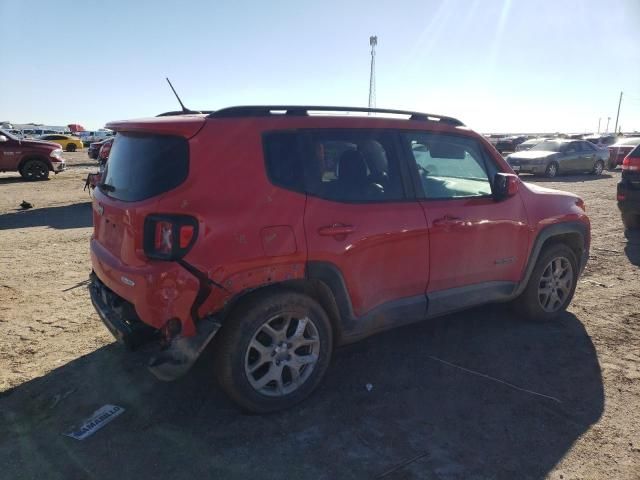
column 184, row 109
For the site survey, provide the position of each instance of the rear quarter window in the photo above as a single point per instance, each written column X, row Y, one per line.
column 142, row 166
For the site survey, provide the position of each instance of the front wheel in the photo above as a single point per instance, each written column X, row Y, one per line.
column 551, row 285
column 71, row 147
column 273, row 351
column 551, row 170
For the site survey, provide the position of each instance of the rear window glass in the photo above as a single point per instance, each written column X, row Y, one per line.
column 142, row 166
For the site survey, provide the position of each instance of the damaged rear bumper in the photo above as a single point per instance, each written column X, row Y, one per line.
column 166, row 360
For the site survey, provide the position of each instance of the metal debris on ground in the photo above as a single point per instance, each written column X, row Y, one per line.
column 95, row 422
column 489, row 377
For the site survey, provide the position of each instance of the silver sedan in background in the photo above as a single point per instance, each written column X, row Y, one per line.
column 551, row 157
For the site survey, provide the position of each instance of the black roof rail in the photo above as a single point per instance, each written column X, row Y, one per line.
column 183, row 112
column 303, row 110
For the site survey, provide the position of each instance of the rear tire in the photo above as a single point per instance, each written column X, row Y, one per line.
column 552, row 170
column 551, row 285
column 598, row 168
column 631, row 221
column 35, row 170
column 273, row 351
column 71, row 147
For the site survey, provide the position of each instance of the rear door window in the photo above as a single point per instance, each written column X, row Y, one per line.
column 142, row 166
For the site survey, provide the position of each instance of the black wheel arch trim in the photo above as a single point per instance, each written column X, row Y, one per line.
column 547, row 233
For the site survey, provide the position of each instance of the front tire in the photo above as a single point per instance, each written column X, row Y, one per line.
column 273, row 351
column 551, row 285
column 551, row 170
column 35, row 170
column 71, row 147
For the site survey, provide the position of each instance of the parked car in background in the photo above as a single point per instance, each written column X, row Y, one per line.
column 554, row 156
column 68, row 143
column 629, row 190
column 621, row 149
column 601, row 141
column 103, row 149
column 33, row 159
column 509, row 144
column 528, row 144
column 94, row 136
column 341, row 227
column 94, row 148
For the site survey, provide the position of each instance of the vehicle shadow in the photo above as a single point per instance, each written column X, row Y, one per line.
column 523, row 395
column 18, row 179
column 77, row 215
column 632, row 248
column 565, row 178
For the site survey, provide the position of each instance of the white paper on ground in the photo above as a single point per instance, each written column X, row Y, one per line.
column 95, row 422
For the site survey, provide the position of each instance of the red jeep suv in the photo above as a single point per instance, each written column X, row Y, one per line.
column 281, row 232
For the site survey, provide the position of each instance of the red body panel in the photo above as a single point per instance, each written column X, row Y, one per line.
column 383, row 258
column 617, row 154
column 476, row 240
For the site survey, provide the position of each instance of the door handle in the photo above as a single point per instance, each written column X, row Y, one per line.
column 448, row 221
column 336, row 230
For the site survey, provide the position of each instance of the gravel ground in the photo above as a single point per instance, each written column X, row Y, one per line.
column 559, row 400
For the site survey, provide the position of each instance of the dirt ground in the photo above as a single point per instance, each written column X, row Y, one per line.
column 559, row 400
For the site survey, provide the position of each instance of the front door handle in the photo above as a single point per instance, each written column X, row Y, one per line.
column 448, row 221
column 336, row 230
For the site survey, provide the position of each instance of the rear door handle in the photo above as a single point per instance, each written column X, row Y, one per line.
column 336, row 230
column 448, row 221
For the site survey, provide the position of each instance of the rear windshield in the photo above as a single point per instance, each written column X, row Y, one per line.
column 142, row 166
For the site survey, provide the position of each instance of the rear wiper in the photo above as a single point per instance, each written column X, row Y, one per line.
column 106, row 187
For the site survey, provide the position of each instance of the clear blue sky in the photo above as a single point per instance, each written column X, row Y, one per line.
column 499, row 65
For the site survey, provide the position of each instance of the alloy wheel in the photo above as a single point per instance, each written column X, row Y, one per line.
column 282, row 354
column 555, row 284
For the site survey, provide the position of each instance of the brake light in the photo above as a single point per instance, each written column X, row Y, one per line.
column 631, row 163
column 169, row 237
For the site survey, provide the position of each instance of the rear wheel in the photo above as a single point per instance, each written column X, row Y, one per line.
column 598, row 168
column 273, row 351
column 552, row 170
column 71, row 147
column 551, row 285
column 631, row 221
column 35, row 170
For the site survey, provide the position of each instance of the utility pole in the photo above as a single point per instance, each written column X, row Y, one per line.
column 599, row 124
column 373, row 41
column 618, row 114
column 607, row 130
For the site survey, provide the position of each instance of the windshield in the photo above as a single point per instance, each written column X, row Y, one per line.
column 10, row 136
column 548, row 146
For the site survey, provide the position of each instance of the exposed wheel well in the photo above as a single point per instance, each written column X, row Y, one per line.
column 316, row 289
column 573, row 240
column 34, row 157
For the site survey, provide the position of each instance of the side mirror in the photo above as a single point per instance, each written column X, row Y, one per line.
column 505, row 185
column 3, row 139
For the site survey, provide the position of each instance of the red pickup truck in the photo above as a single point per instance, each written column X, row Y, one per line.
column 33, row 159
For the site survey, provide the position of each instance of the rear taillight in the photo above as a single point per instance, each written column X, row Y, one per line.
column 169, row 237
column 631, row 163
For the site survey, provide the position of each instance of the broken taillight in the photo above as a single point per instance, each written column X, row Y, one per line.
column 169, row 237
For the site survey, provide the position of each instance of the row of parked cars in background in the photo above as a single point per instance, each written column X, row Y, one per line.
column 568, row 154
